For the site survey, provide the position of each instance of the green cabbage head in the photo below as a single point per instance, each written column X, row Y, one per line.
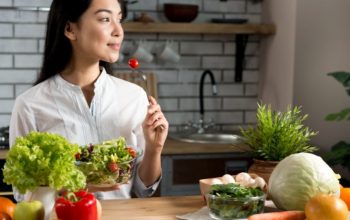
column 299, row 177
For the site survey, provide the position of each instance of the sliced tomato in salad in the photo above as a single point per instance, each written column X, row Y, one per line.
column 132, row 152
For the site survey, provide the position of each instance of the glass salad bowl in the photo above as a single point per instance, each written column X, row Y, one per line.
column 232, row 201
column 108, row 164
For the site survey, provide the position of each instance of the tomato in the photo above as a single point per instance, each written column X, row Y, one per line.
column 345, row 195
column 4, row 216
column 7, row 207
column 326, row 207
column 133, row 63
column 132, row 152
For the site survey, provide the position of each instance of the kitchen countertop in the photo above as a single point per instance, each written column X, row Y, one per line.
column 150, row 208
column 154, row 208
column 3, row 154
column 174, row 147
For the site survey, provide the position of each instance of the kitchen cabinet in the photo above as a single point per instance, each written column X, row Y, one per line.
column 182, row 171
column 5, row 190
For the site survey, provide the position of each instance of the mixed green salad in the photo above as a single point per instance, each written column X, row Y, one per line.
column 231, row 201
column 110, row 162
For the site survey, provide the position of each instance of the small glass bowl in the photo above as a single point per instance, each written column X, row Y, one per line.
column 234, row 208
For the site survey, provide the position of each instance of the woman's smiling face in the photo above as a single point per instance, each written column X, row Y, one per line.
column 98, row 34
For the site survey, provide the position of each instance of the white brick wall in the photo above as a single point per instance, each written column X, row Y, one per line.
column 34, row 3
column 230, row 89
column 17, row 16
column 250, row 117
column 17, row 45
column 6, row 106
column 6, row 30
column 19, row 89
column 240, row 103
column 225, row 6
column 17, row 76
column 193, row 104
column 6, row 3
column 6, row 91
column 201, row 48
column 193, row 76
column 26, row 61
column 4, row 120
column 251, row 90
column 6, row 61
column 30, row 30
column 22, row 44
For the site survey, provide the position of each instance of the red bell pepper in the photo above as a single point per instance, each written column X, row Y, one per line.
column 76, row 206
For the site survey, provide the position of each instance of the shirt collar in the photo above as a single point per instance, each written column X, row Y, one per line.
column 63, row 84
column 101, row 79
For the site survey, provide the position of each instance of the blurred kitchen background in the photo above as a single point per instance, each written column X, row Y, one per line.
column 22, row 40
column 287, row 68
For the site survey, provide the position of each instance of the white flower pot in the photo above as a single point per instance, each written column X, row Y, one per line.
column 47, row 196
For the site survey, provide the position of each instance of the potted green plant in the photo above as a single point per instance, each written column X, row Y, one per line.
column 276, row 136
column 340, row 152
column 39, row 164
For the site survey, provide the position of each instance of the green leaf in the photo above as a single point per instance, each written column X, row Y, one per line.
column 341, row 145
column 339, row 154
column 43, row 159
column 339, row 116
column 342, row 77
column 278, row 134
column 94, row 161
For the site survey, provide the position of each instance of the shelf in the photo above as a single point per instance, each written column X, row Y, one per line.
column 242, row 32
column 199, row 28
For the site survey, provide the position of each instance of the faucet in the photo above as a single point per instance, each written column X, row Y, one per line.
column 201, row 99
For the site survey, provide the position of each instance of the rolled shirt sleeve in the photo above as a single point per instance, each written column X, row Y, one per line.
column 141, row 190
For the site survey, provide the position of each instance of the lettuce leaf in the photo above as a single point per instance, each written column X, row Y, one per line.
column 43, row 159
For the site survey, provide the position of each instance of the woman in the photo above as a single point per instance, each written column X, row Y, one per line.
column 75, row 95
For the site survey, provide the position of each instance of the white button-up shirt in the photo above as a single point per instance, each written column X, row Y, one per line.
column 118, row 109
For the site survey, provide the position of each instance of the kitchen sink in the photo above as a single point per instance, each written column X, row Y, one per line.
column 208, row 138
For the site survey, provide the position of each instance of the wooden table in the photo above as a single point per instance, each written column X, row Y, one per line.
column 155, row 208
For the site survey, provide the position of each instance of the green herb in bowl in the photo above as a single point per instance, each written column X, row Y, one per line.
column 232, row 201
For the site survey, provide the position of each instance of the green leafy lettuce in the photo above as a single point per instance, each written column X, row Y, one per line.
column 43, row 159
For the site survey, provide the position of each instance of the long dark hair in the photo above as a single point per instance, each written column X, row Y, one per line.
column 58, row 49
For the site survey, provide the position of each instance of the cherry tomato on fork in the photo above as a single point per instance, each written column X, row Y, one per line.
column 133, row 63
